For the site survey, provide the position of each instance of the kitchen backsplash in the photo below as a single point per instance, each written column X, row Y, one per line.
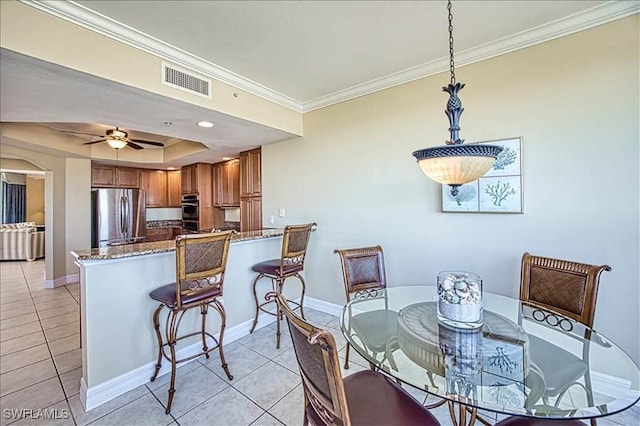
column 164, row 214
column 232, row 215
column 164, row 224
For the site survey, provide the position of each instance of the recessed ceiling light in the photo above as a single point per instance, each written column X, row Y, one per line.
column 167, row 123
column 205, row 124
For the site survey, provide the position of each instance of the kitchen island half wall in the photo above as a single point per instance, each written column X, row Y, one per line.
column 119, row 345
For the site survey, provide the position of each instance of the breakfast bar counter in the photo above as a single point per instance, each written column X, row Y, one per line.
column 141, row 249
column 119, row 346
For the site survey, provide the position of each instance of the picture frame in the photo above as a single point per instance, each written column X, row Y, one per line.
column 498, row 191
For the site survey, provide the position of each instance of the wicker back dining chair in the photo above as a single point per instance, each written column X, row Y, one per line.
column 201, row 261
column 558, row 293
column 291, row 263
column 364, row 398
column 364, row 275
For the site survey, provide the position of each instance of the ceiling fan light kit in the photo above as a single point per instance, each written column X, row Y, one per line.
column 117, row 139
column 116, row 143
column 455, row 164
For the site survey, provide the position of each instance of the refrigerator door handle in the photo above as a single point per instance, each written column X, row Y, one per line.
column 127, row 215
column 122, row 219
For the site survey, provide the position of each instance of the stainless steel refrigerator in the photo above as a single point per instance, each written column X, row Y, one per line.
column 119, row 217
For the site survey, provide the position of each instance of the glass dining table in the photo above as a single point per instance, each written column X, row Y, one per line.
column 522, row 361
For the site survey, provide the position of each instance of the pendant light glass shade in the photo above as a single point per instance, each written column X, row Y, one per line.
column 457, row 164
column 116, row 143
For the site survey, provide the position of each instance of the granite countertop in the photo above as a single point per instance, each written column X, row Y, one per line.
column 141, row 249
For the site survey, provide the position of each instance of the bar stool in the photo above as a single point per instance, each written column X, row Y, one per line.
column 201, row 260
column 290, row 264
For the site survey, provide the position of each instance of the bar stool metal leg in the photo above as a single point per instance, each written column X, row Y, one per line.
column 255, row 297
column 203, row 313
column 304, row 285
column 156, row 325
column 223, row 324
column 173, row 322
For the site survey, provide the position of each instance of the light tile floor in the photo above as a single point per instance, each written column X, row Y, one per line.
column 40, row 367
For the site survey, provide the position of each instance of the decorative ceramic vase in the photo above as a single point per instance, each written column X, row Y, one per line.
column 460, row 299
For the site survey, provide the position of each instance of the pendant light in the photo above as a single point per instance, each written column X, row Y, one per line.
column 455, row 164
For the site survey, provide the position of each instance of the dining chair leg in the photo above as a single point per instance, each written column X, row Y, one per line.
column 172, row 385
column 156, row 326
column 203, row 313
column 346, row 358
column 223, row 324
column 255, row 298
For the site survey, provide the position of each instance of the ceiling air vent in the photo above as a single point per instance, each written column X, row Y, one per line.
column 184, row 80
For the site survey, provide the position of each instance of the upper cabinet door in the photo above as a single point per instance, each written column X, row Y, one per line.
column 103, row 176
column 174, row 186
column 218, row 192
column 234, row 183
column 154, row 182
column 189, row 177
column 251, row 173
column 127, row 177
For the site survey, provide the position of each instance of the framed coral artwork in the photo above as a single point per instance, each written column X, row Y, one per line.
column 498, row 191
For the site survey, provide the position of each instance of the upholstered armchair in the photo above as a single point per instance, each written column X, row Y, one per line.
column 21, row 241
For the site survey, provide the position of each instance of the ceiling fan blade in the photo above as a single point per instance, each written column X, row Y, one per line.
column 92, row 142
column 134, row 145
column 147, row 142
column 80, row 133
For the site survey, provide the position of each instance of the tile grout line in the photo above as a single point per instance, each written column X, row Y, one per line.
column 55, row 366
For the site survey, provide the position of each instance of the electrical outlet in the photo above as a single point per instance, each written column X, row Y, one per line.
column 271, row 220
column 281, row 211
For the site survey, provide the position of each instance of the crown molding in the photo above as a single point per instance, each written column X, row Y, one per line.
column 589, row 18
column 101, row 24
column 86, row 18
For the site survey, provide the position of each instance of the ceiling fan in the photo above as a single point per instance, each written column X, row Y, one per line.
column 116, row 139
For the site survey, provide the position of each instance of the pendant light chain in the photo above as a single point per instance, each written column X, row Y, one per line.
column 452, row 66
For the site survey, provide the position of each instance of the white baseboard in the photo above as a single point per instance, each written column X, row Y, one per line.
column 104, row 392
column 59, row 282
column 322, row 306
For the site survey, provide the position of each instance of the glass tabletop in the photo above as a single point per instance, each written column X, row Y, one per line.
column 522, row 361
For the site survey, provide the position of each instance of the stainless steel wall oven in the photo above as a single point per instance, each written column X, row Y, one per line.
column 190, row 206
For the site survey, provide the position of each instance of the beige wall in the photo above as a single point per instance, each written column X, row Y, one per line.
column 575, row 103
column 72, row 46
column 77, row 201
column 35, row 200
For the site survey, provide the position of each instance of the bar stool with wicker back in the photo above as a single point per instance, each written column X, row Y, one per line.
column 290, row 264
column 201, row 260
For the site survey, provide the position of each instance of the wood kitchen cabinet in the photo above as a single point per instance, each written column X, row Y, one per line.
column 226, row 184
column 197, row 179
column 174, row 188
column 189, row 179
column 163, row 188
column 154, row 183
column 105, row 176
column 159, row 234
column 251, row 173
column 250, row 214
